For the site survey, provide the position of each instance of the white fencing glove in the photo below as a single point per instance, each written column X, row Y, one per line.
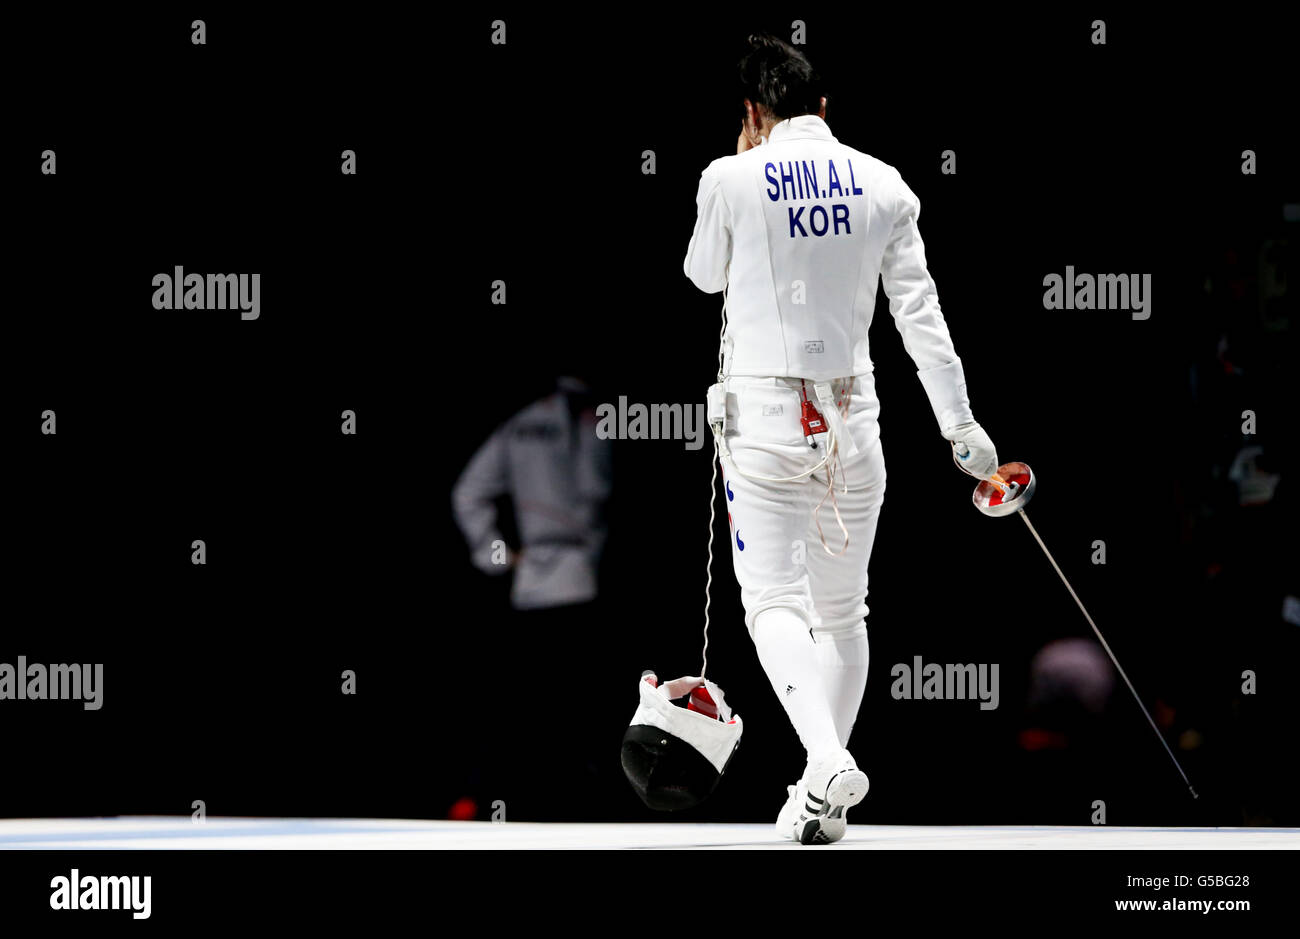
column 972, row 450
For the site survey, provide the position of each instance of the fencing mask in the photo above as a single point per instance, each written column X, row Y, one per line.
column 674, row 756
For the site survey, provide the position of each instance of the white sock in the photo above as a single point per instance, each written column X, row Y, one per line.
column 842, row 662
column 789, row 657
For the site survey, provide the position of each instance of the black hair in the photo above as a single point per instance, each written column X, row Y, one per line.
column 779, row 77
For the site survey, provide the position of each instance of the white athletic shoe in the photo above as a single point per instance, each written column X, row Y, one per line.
column 789, row 814
column 787, row 821
column 833, row 786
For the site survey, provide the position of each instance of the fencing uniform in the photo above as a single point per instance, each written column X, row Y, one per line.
column 799, row 231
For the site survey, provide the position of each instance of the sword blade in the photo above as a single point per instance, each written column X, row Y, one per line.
column 1105, row 645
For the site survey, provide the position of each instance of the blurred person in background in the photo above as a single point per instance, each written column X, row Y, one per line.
column 549, row 470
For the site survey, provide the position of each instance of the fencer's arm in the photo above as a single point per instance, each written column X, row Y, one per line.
column 484, row 478
column 709, row 252
column 914, row 304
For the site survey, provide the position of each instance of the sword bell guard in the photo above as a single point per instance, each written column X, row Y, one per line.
column 1021, row 482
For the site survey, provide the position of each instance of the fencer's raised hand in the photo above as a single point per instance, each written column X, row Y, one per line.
column 749, row 133
column 972, row 450
column 746, row 139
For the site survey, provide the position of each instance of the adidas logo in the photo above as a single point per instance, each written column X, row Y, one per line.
column 789, row 688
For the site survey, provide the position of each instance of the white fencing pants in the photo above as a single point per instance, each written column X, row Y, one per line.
column 804, row 608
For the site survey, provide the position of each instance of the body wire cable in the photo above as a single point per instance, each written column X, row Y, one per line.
column 713, row 497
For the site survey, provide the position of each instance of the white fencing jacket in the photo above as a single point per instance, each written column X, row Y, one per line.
column 799, row 231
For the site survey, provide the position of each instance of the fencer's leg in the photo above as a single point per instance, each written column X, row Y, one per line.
column 768, row 520
column 839, row 588
column 843, row 663
column 789, row 657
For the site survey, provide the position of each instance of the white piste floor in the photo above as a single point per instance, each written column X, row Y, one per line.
column 181, row 833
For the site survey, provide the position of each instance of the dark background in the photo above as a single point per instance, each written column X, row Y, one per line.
column 523, row 163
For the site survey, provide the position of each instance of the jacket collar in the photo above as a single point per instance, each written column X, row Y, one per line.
column 803, row 127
